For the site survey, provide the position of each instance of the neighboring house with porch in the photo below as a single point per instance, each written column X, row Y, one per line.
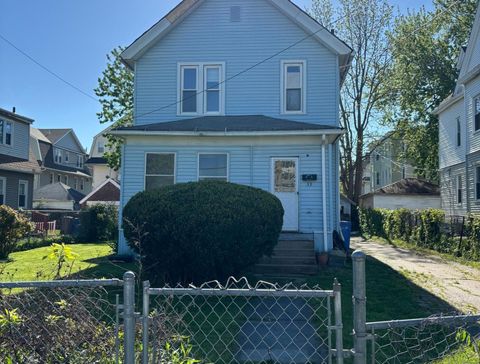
column 100, row 170
column 459, row 133
column 212, row 102
column 18, row 165
column 62, row 159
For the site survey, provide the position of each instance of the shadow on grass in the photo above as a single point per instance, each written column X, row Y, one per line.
column 103, row 267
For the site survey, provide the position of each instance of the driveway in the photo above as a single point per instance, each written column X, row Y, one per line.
column 455, row 283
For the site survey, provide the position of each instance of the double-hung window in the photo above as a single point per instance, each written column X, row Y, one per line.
column 213, row 166
column 459, row 189
column 67, row 157
column 293, row 87
column 65, row 179
column 58, row 156
column 80, row 161
column 159, row 170
column 22, row 194
column 201, row 89
column 477, row 182
column 101, row 146
column 59, row 178
column 3, row 190
column 189, row 90
column 476, row 109
column 459, row 132
column 6, row 130
column 82, row 184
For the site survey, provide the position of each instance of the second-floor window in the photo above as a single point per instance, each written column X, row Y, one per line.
column 293, row 87
column 6, row 132
column 201, row 89
column 459, row 133
column 80, row 161
column 100, row 147
column 477, row 113
column 57, row 156
column 67, row 157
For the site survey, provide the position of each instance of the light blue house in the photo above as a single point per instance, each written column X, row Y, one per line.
column 245, row 91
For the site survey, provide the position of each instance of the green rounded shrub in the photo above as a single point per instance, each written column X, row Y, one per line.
column 199, row 231
column 98, row 223
column 13, row 227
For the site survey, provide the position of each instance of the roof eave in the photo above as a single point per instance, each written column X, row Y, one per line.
column 228, row 133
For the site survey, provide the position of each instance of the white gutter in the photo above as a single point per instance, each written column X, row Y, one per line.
column 227, row 133
column 324, row 193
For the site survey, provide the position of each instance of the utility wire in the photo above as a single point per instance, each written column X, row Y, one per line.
column 56, row 75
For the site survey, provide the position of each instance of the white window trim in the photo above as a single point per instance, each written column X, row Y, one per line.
column 159, row 175
column 283, row 90
column 213, row 153
column 221, row 88
column 474, row 111
column 457, row 177
column 3, row 136
column 26, row 194
column 458, row 130
column 201, row 89
column 477, row 165
column 65, row 177
column 4, row 191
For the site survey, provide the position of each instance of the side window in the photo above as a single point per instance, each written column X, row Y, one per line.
column 189, row 90
column 22, row 194
column 6, row 131
column 459, row 189
column 477, row 182
column 477, row 113
column 159, row 170
column 212, row 86
column 100, row 146
column 459, row 133
column 3, row 189
column 293, row 93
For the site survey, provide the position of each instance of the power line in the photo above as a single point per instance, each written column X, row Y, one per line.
column 56, row 75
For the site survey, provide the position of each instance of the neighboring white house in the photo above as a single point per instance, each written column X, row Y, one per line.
column 384, row 163
column 56, row 196
column 459, row 133
column 408, row 193
column 100, row 170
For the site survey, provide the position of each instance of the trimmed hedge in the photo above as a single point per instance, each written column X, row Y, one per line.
column 199, row 231
column 423, row 228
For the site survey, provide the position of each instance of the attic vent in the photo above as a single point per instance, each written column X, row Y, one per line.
column 235, row 14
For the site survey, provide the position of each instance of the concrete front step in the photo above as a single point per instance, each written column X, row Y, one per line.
column 293, row 253
column 295, row 244
column 288, row 260
column 285, row 269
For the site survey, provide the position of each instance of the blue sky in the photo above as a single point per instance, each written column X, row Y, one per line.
column 72, row 38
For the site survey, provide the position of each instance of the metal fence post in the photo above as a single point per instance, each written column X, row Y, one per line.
column 359, row 308
column 145, row 318
column 129, row 317
column 337, row 303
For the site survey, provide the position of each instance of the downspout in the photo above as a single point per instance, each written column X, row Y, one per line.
column 324, row 199
column 331, row 186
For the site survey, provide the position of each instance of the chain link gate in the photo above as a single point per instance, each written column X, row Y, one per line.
column 236, row 322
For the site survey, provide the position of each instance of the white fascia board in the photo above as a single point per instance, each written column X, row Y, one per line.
column 109, row 180
column 228, row 133
column 445, row 104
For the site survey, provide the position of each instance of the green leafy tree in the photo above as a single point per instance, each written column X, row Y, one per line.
column 115, row 93
column 363, row 25
column 13, row 227
column 425, row 47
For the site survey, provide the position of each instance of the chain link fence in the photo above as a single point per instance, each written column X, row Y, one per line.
column 240, row 323
column 60, row 322
column 425, row 340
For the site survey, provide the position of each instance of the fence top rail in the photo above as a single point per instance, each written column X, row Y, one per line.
column 65, row 283
column 442, row 320
column 254, row 292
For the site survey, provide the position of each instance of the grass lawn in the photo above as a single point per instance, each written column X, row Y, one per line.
column 92, row 262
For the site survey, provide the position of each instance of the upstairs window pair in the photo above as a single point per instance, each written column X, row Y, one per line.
column 201, row 89
column 5, row 132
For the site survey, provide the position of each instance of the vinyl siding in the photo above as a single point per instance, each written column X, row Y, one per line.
column 68, row 142
column 249, row 165
column 472, row 90
column 12, row 187
column 473, row 160
column 20, row 138
column 448, row 185
column 263, row 31
column 449, row 153
column 411, row 202
column 45, row 180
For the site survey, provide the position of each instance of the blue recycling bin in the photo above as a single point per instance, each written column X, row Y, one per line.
column 346, row 227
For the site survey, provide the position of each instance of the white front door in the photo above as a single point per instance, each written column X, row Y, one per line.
column 285, row 187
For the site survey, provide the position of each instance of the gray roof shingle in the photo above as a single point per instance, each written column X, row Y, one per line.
column 240, row 123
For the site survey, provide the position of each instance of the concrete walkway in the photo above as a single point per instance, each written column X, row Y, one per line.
column 457, row 284
column 280, row 330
